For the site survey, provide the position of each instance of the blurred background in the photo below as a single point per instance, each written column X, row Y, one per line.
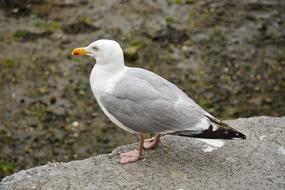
column 227, row 55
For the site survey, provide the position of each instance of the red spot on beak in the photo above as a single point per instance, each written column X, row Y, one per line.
column 79, row 51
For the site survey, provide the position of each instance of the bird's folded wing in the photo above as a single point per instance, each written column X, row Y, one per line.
column 147, row 103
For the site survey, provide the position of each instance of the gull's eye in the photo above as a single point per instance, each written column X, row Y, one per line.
column 94, row 48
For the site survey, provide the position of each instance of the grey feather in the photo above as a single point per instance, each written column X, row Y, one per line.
column 147, row 103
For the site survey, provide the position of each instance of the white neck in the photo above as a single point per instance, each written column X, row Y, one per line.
column 103, row 73
column 110, row 66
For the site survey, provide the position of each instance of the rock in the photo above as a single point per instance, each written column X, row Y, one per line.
column 178, row 163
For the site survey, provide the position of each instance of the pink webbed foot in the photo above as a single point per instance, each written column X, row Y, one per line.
column 130, row 157
column 151, row 143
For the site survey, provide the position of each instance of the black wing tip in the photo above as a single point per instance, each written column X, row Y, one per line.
column 226, row 131
column 220, row 133
column 240, row 135
column 237, row 135
column 210, row 136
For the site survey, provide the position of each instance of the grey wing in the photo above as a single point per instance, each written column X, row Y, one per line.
column 147, row 103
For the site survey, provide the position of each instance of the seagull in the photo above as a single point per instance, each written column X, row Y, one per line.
column 142, row 102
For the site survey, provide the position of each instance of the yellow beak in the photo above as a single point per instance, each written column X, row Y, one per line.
column 79, row 51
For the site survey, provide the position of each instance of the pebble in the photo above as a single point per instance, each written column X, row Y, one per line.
column 75, row 123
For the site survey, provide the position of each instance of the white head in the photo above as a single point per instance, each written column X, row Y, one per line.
column 106, row 52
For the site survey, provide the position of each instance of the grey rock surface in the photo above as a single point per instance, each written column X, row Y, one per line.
column 178, row 163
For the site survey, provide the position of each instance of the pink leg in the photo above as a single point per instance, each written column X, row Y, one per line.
column 133, row 155
column 152, row 142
